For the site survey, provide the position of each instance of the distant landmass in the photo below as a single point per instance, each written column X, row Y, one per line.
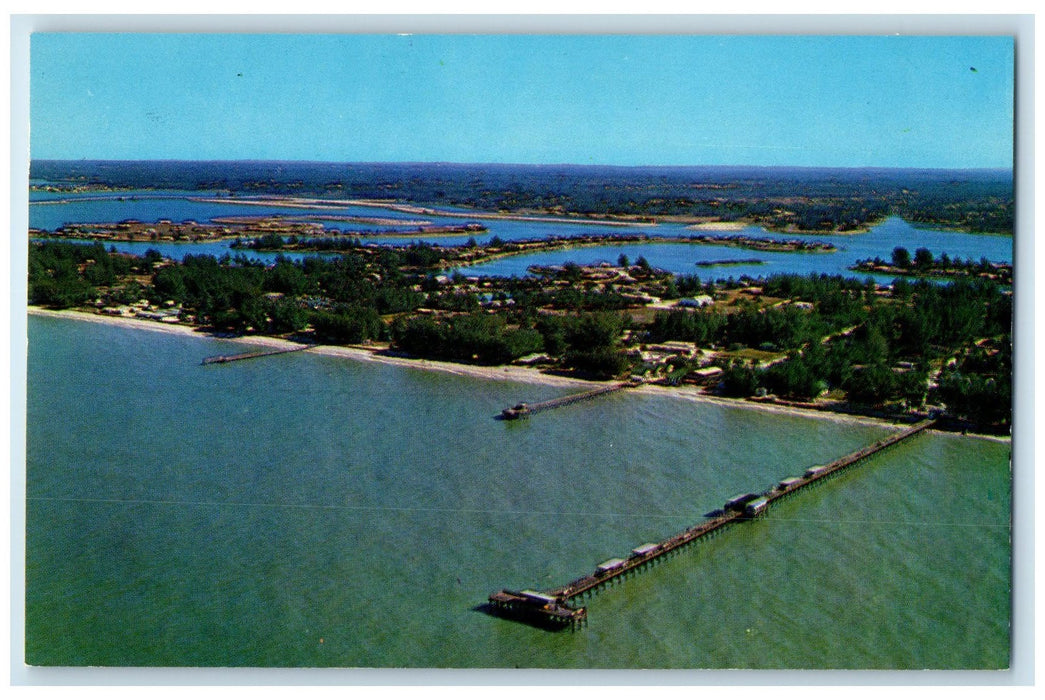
column 779, row 198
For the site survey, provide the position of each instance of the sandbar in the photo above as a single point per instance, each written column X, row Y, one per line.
column 721, row 226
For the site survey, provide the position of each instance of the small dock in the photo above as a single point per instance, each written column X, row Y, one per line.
column 221, row 359
column 525, row 410
column 552, row 609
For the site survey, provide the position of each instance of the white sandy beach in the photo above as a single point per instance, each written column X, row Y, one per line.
column 507, row 373
column 360, row 353
column 719, row 226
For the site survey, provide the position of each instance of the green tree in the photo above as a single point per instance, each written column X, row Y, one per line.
column 347, row 324
column 912, row 387
column 553, row 334
column 286, row 316
column 983, row 400
column 480, row 338
column 740, row 379
column 872, row 385
column 901, row 257
column 286, row 277
column 598, row 362
column 923, row 259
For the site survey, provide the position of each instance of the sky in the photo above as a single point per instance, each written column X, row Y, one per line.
column 839, row 101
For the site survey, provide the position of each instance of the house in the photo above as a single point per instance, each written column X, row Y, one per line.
column 675, row 347
column 704, row 375
column 695, row 302
column 644, row 549
column 739, row 501
column 532, row 359
column 609, row 565
column 756, row 507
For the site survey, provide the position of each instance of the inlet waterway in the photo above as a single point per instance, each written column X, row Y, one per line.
column 306, row 510
column 52, row 211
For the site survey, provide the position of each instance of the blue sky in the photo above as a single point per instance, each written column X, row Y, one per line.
column 890, row 101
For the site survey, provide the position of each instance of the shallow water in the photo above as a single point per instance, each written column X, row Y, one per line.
column 303, row 510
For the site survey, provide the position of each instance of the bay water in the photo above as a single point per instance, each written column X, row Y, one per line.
column 49, row 213
column 314, row 511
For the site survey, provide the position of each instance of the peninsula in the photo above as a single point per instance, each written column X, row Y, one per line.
column 825, row 343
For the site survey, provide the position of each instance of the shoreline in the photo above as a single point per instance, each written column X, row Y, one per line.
column 529, row 246
column 353, row 352
column 416, row 209
column 524, row 375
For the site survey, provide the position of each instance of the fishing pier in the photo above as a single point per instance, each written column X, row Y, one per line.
column 525, row 410
column 553, row 608
column 221, row 359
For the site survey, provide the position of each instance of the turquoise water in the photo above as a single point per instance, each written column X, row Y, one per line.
column 312, row 511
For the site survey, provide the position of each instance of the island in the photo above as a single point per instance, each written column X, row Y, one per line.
column 267, row 228
column 924, row 264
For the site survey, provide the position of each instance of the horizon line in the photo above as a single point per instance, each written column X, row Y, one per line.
column 1008, row 168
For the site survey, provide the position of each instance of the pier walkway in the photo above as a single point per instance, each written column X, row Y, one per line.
column 525, row 410
column 552, row 608
column 220, row 359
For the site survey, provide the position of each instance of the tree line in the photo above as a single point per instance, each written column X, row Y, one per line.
column 918, row 342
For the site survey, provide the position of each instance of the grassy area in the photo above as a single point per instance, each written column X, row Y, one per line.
column 752, row 355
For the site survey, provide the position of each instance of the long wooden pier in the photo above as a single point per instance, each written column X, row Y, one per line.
column 220, row 359
column 552, row 608
column 525, row 410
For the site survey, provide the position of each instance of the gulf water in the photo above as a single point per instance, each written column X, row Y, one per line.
column 314, row 511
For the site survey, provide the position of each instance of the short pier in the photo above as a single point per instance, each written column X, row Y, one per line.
column 525, row 410
column 221, row 359
column 552, row 608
